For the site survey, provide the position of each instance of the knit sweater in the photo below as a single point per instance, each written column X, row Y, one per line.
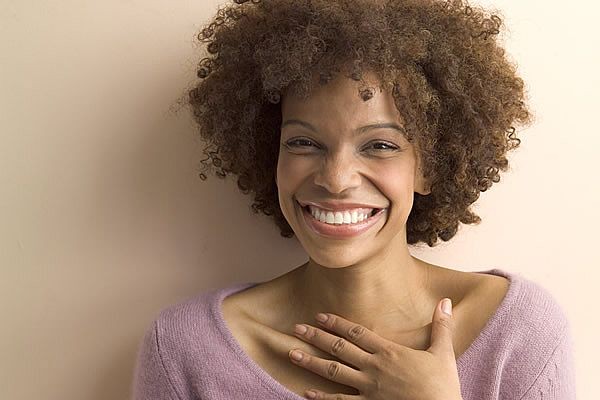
column 524, row 352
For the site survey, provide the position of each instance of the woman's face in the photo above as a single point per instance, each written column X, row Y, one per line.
column 325, row 156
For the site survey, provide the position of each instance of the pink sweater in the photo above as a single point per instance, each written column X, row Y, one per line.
column 525, row 351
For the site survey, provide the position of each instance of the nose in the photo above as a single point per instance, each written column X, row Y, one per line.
column 338, row 172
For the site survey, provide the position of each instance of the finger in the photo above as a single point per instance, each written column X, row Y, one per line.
column 326, row 396
column 330, row 369
column 355, row 333
column 334, row 345
column 442, row 330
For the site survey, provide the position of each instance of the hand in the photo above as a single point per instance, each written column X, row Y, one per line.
column 385, row 370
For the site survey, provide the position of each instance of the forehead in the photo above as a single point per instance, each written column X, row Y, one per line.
column 339, row 103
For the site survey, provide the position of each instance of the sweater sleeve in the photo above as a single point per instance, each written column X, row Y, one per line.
column 151, row 379
column 556, row 380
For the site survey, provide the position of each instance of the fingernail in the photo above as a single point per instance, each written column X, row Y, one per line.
column 296, row 355
column 310, row 394
column 300, row 329
column 321, row 317
column 447, row 306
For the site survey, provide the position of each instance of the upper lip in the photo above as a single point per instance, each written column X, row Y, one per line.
column 337, row 205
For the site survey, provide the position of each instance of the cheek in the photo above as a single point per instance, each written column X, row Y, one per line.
column 397, row 181
column 291, row 171
column 289, row 178
column 397, row 185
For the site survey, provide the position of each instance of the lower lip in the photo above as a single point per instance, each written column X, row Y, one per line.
column 342, row 230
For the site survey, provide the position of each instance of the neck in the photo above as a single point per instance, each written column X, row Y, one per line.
column 388, row 293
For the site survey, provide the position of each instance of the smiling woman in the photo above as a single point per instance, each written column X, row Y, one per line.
column 457, row 94
column 361, row 127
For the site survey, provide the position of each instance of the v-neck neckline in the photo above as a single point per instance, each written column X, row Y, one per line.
column 462, row 362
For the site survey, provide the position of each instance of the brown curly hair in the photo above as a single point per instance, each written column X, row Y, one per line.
column 456, row 91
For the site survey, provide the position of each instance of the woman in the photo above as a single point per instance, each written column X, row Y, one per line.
column 361, row 127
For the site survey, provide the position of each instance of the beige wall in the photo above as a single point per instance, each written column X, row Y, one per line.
column 104, row 221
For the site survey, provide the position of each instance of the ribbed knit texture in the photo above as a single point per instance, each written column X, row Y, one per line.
column 524, row 352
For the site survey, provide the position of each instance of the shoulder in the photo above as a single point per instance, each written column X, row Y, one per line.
column 539, row 321
column 528, row 307
column 542, row 356
column 535, row 336
column 192, row 323
column 179, row 333
column 526, row 322
column 538, row 313
column 161, row 354
column 525, row 344
column 181, row 348
column 527, row 312
column 175, row 326
column 176, row 316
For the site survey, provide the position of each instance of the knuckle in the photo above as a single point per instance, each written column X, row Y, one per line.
column 307, row 360
column 331, row 322
column 388, row 351
column 373, row 386
column 391, row 351
column 312, row 333
column 338, row 346
column 376, row 384
column 333, row 369
column 356, row 332
column 365, row 360
column 446, row 323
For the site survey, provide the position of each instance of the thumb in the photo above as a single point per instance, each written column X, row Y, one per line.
column 442, row 329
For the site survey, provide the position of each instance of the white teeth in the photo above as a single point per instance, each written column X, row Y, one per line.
column 338, row 217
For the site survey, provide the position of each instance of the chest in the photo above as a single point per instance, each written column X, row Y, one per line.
column 268, row 347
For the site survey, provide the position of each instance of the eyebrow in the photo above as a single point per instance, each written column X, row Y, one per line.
column 358, row 131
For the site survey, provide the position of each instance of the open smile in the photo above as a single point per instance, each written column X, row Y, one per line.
column 341, row 230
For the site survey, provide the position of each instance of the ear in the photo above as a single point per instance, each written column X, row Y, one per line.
column 422, row 189
column 421, row 186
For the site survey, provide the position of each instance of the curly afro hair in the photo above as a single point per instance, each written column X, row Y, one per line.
column 458, row 94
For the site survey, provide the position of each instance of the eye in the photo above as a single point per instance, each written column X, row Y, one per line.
column 302, row 142
column 390, row 147
column 295, row 142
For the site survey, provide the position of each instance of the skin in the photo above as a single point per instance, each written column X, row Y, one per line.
column 370, row 278
column 379, row 368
